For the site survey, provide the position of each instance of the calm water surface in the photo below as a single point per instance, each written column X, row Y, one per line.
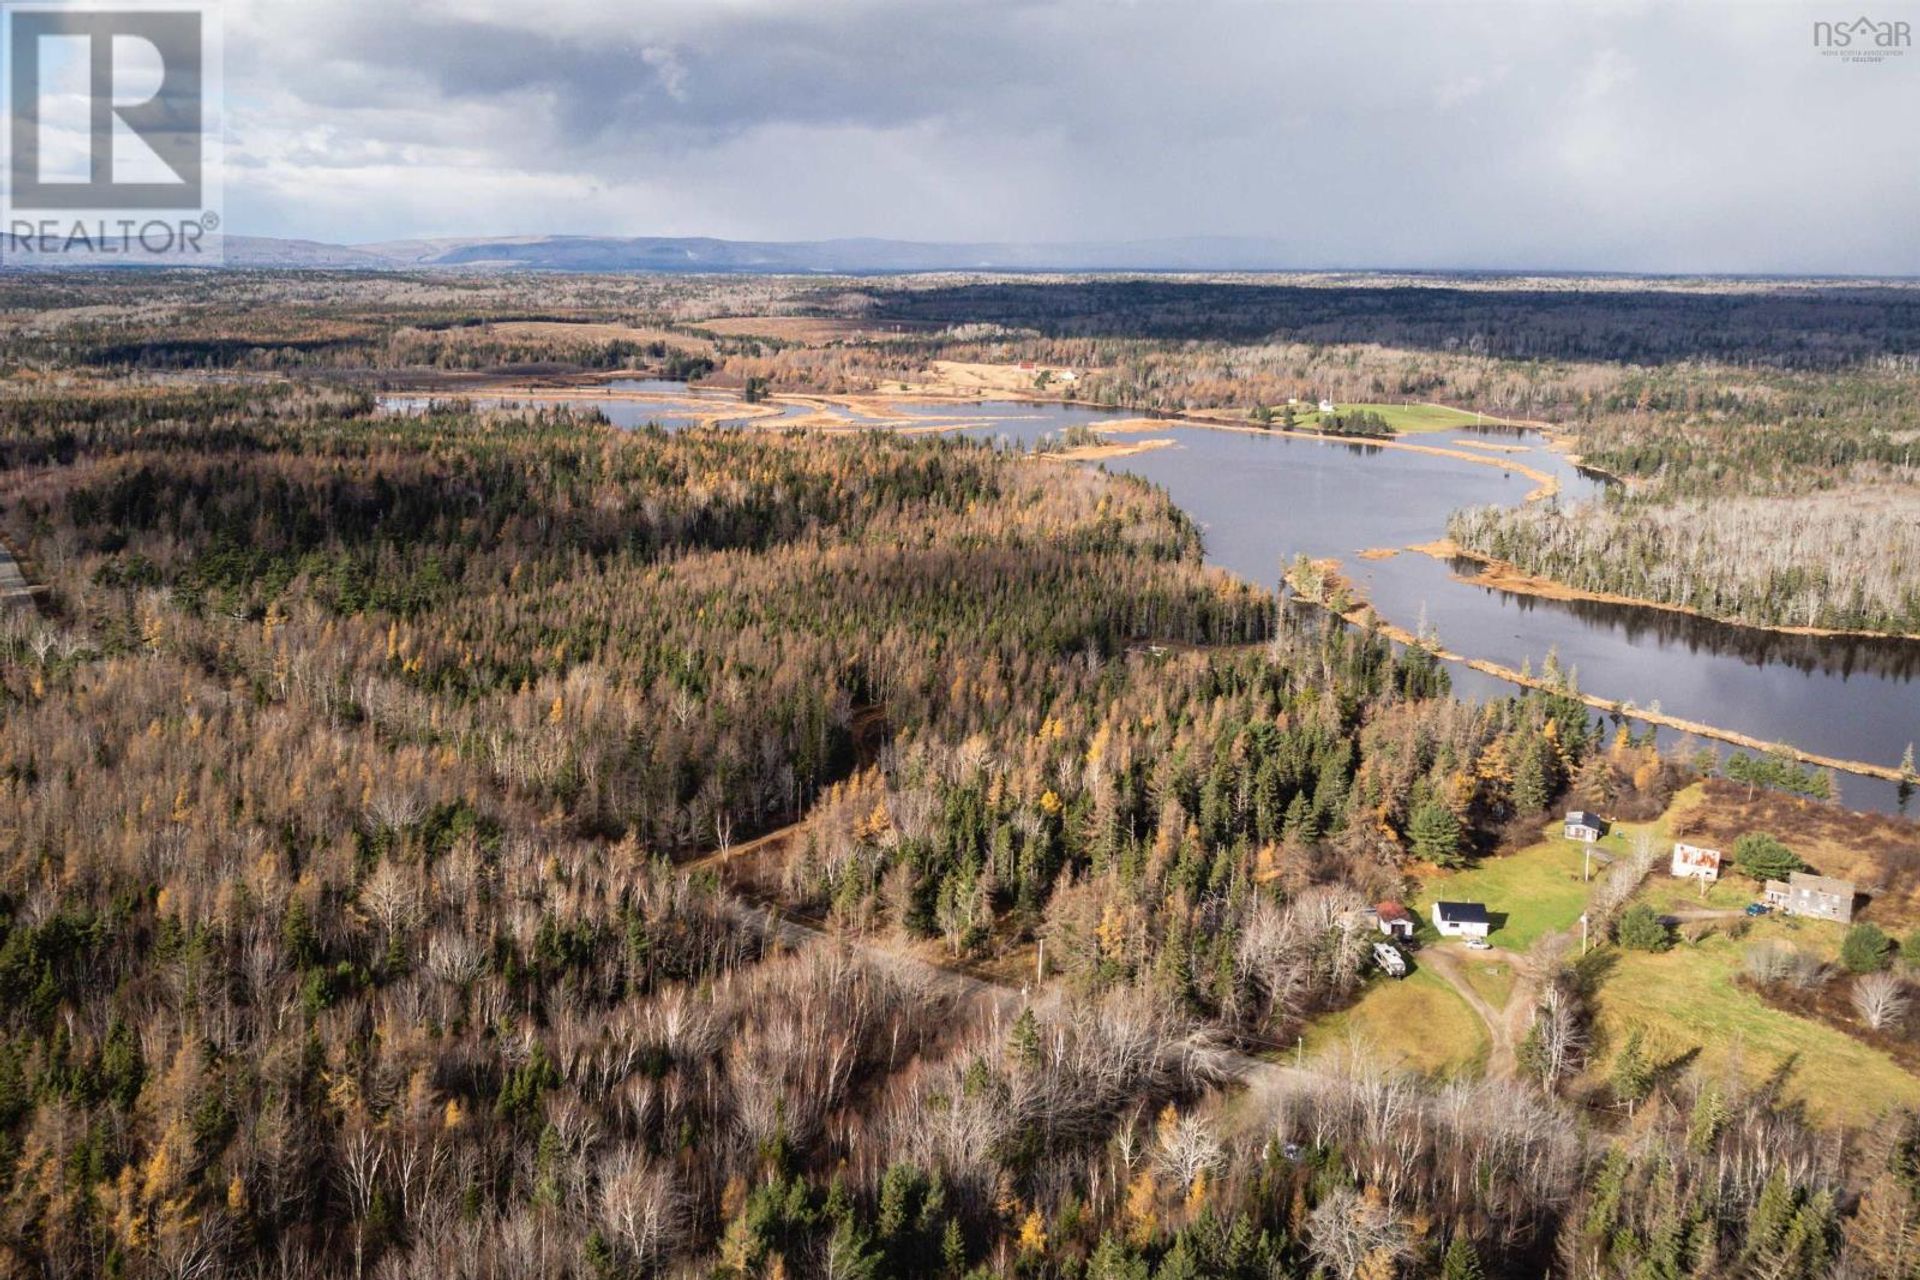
column 1261, row 500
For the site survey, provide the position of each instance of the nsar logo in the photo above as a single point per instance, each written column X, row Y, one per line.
column 1863, row 39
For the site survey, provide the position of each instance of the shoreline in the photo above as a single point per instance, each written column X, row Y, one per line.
column 1546, row 484
column 592, row 386
column 1495, row 575
column 1363, row 614
column 1108, row 449
column 1503, row 575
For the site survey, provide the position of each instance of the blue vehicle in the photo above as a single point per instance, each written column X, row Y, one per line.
column 1758, row 908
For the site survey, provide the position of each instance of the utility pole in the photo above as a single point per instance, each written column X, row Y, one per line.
column 1040, row 963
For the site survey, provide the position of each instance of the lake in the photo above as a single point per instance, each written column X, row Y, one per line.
column 1263, row 499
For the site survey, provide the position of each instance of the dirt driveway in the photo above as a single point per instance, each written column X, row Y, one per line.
column 1506, row 1027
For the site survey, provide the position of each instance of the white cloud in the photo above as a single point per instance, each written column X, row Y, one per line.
column 1587, row 134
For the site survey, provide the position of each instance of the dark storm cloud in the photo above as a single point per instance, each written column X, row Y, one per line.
column 1616, row 135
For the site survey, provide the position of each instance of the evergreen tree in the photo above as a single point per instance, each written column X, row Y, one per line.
column 953, row 1250
column 1179, row 1263
column 1462, row 1261
column 849, row 1253
column 1641, row 929
column 1772, row 1215
column 1024, row 1039
column 1531, row 790
column 1765, row 858
column 1709, row 1118
column 1436, row 834
column 1866, row 949
column 1632, row 1072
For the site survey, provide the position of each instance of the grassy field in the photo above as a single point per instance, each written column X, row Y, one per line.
column 1529, row 894
column 1665, row 894
column 1686, row 999
column 1411, row 419
column 1868, row 849
column 1492, row 979
column 1538, row 890
column 1418, row 1023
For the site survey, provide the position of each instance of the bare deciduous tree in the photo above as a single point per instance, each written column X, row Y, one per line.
column 1189, row 1149
column 1880, row 999
column 642, row 1207
column 1350, row 1230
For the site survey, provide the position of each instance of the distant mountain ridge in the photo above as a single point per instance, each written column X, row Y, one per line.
column 695, row 254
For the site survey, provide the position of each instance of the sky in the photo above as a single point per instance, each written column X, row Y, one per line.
column 1565, row 134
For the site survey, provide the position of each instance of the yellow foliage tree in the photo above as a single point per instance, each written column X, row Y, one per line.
column 1143, row 1209
column 1381, row 1264
column 1197, row 1195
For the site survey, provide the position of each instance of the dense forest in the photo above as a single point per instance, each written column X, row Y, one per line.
column 1772, row 498
column 357, row 918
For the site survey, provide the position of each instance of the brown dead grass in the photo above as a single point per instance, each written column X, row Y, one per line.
column 1127, row 426
column 583, row 331
column 807, row 330
column 1831, row 1004
column 1102, row 452
column 959, row 377
column 1880, row 854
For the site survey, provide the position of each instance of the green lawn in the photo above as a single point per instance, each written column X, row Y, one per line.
column 1665, row 894
column 1493, row 979
column 1405, row 419
column 1538, row 890
column 1414, row 418
column 1686, row 999
column 1417, row 1023
column 1663, row 891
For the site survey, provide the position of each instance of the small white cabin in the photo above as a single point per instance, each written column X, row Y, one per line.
column 1461, row 919
column 1584, row 826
